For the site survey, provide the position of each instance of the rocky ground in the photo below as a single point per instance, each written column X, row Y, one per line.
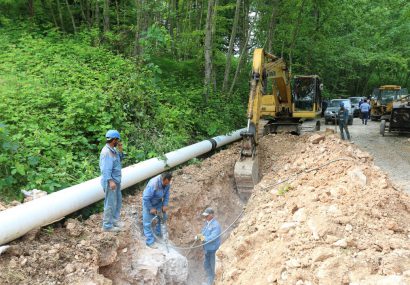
column 323, row 213
column 327, row 215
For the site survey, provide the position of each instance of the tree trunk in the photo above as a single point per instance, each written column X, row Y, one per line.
column 117, row 12
column 71, row 16
column 60, row 15
column 30, row 6
column 137, row 28
column 97, row 15
column 230, row 48
column 244, row 49
column 208, row 50
column 106, row 12
column 83, row 13
column 271, row 30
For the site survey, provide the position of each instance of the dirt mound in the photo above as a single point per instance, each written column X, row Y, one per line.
column 324, row 215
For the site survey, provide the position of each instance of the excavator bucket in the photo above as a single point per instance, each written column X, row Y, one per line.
column 246, row 176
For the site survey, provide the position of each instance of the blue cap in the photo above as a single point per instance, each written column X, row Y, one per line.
column 342, row 104
column 113, row 134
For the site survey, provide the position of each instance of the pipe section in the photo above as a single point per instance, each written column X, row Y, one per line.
column 17, row 221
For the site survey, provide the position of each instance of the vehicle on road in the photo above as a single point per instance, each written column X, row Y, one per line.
column 333, row 108
column 399, row 119
column 355, row 106
column 382, row 105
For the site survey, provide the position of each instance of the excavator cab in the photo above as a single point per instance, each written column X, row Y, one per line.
column 307, row 97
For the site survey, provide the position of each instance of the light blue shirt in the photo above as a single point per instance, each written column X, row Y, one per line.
column 365, row 107
column 155, row 194
column 211, row 231
column 110, row 165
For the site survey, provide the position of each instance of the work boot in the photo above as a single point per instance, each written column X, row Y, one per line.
column 113, row 229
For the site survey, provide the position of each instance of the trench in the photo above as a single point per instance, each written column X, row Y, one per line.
column 209, row 183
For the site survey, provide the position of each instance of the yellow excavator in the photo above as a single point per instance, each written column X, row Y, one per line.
column 382, row 101
column 285, row 106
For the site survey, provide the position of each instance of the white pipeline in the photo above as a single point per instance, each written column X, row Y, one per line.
column 17, row 221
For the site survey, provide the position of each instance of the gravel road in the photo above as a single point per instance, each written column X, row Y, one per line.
column 391, row 152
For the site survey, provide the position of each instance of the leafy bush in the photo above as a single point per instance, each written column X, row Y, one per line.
column 59, row 95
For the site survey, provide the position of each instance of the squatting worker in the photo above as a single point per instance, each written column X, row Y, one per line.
column 210, row 236
column 110, row 166
column 154, row 199
column 343, row 115
column 365, row 109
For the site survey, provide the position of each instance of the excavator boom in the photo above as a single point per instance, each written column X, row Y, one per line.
column 271, row 98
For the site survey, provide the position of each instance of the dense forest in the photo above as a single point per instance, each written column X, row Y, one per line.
column 167, row 73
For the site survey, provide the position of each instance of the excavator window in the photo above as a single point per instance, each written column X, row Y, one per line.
column 304, row 93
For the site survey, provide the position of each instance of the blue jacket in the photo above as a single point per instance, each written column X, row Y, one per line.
column 211, row 231
column 110, row 165
column 155, row 194
column 365, row 107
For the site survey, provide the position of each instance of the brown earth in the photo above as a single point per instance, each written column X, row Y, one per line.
column 343, row 223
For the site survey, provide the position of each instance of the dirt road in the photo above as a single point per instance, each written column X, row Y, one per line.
column 391, row 152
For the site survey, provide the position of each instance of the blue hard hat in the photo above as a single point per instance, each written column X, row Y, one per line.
column 342, row 104
column 113, row 134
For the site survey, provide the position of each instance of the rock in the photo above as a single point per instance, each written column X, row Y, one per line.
column 69, row 268
column 300, row 282
column 300, row 215
column 285, row 227
column 349, row 228
column 293, row 263
column 382, row 280
column 329, row 131
column 357, row 177
column 322, row 253
column 341, row 243
column 316, row 138
column 23, row 261
column 31, row 235
column 74, row 228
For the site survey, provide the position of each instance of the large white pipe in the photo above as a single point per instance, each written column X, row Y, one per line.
column 17, row 221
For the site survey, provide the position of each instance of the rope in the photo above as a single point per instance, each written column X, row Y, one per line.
column 193, row 246
column 202, row 244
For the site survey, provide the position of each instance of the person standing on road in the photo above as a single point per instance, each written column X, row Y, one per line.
column 155, row 199
column 110, row 166
column 365, row 109
column 210, row 236
column 343, row 115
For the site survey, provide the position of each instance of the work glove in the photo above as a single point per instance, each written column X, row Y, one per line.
column 200, row 237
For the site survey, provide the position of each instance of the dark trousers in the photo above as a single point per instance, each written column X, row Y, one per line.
column 343, row 126
column 365, row 117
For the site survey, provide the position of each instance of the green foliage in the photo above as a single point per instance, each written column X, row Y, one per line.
column 59, row 96
column 283, row 189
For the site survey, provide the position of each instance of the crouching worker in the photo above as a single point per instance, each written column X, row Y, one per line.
column 155, row 200
column 211, row 238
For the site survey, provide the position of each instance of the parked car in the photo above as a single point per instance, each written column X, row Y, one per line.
column 333, row 108
column 355, row 106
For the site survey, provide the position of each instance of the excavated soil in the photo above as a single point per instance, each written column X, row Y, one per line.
column 327, row 215
column 344, row 222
